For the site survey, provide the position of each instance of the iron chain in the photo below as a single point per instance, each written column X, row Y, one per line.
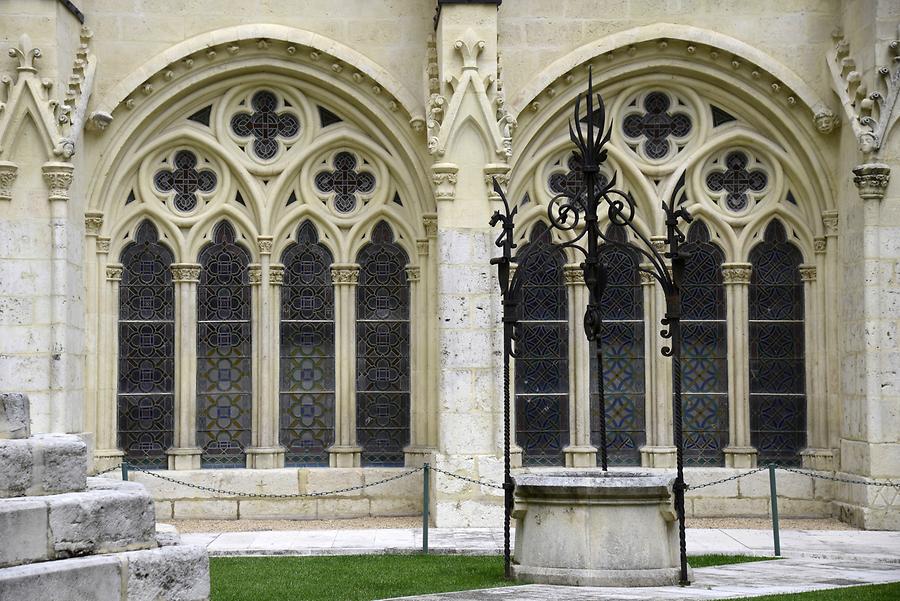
column 728, row 479
column 837, row 479
column 472, row 480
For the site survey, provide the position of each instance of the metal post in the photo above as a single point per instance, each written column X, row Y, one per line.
column 774, row 493
column 426, row 481
column 124, row 471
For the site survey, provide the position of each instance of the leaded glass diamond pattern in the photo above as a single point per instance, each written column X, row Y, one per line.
column 382, row 350
column 542, row 372
column 307, row 351
column 224, row 382
column 345, row 181
column 656, row 125
column 146, row 351
column 777, row 365
column 265, row 124
column 185, row 180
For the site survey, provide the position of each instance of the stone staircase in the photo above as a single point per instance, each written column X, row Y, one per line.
column 64, row 536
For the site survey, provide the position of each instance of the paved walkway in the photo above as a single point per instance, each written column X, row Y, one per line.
column 814, row 560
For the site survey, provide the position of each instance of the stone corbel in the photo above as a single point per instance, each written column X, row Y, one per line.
column 500, row 171
column 871, row 180
column 443, row 175
column 8, row 172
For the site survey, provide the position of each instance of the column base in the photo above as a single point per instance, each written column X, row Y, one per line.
column 740, row 457
column 265, row 458
column 347, row 456
column 661, row 456
column 107, row 458
column 581, row 456
column 820, row 459
column 418, row 456
column 184, row 458
column 515, row 456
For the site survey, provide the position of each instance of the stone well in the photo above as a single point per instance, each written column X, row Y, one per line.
column 594, row 528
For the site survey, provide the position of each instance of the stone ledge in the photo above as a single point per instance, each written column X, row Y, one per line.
column 42, row 465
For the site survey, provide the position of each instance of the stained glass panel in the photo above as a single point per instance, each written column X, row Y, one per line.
column 223, row 351
column 623, row 357
column 657, row 124
column 704, row 362
column 777, row 367
column 542, row 368
column 382, row 350
column 146, row 401
column 307, row 351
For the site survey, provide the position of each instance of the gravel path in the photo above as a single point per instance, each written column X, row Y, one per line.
column 190, row 526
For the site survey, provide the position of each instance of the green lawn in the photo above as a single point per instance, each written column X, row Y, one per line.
column 369, row 577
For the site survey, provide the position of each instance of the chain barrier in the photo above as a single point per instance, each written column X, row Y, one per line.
column 796, row 471
column 728, row 479
column 472, row 480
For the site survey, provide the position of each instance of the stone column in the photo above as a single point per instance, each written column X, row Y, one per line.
column 185, row 455
column 816, row 409
column 345, row 452
column 63, row 417
column 580, row 452
column 427, row 250
column 736, row 277
column 659, row 395
column 827, row 249
column 8, row 172
column 106, row 431
column 93, row 222
column 654, row 419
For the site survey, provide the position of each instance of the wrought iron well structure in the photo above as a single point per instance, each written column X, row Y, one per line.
column 574, row 215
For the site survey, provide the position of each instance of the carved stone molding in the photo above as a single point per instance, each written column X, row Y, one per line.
column 431, row 225
column 646, row 278
column 102, row 244
column 808, row 273
column 500, row 171
column 265, row 245
column 26, row 53
column 830, row 222
column 736, row 273
column 572, row 274
column 58, row 177
column 820, row 244
column 345, row 274
column 412, row 273
column 114, row 272
column 254, row 274
column 185, row 272
column 8, row 172
column 443, row 176
column 93, row 221
column 276, row 274
column 872, row 180
column 422, row 247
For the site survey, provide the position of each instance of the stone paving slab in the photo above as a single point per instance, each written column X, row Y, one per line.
column 721, row 582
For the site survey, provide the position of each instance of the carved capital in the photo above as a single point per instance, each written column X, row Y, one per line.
column 264, row 243
column 820, row 244
column 422, row 247
column 830, row 221
column 443, row 176
column 808, row 273
column 646, row 278
column 254, row 274
column 114, row 272
column 58, row 177
column 93, row 221
column 8, row 172
column 736, row 273
column 659, row 244
column 276, row 274
column 102, row 244
column 573, row 275
column 412, row 273
column 431, row 225
column 345, row 274
column 185, row 272
column 871, row 180
column 500, row 171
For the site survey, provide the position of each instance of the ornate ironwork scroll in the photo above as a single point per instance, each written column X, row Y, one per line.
column 146, row 401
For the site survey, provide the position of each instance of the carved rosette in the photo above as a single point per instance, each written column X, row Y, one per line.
column 499, row 171
column 185, row 272
column 8, row 172
column 830, row 222
column 58, row 177
column 573, row 275
column 114, row 272
column 736, row 273
column 808, row 273
column 102, row 244
column 871, row 180
column 345, row 275
column 443, row 176
column 820, row 244
column 93, row 221
column 412, row 273
column 265, row 245
column 276, row 274
column 254, row 274
column 431, row 225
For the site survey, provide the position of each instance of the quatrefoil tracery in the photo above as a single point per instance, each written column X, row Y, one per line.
column 736, row 181
column 185, row 180
column 657, row 125
column 268, row 127
column 345, row 182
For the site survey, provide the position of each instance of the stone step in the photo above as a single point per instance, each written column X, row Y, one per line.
column 15, row 418
column 172, row 573
column 111, row 516
column 45, row 464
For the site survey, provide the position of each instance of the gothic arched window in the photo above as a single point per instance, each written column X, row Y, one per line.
column 704, row 362
column 307, row 351
column 777, row 371
column 146, row 402
column 223, row 351
column 623, row 356
column 542, row 367
column 382, row 350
